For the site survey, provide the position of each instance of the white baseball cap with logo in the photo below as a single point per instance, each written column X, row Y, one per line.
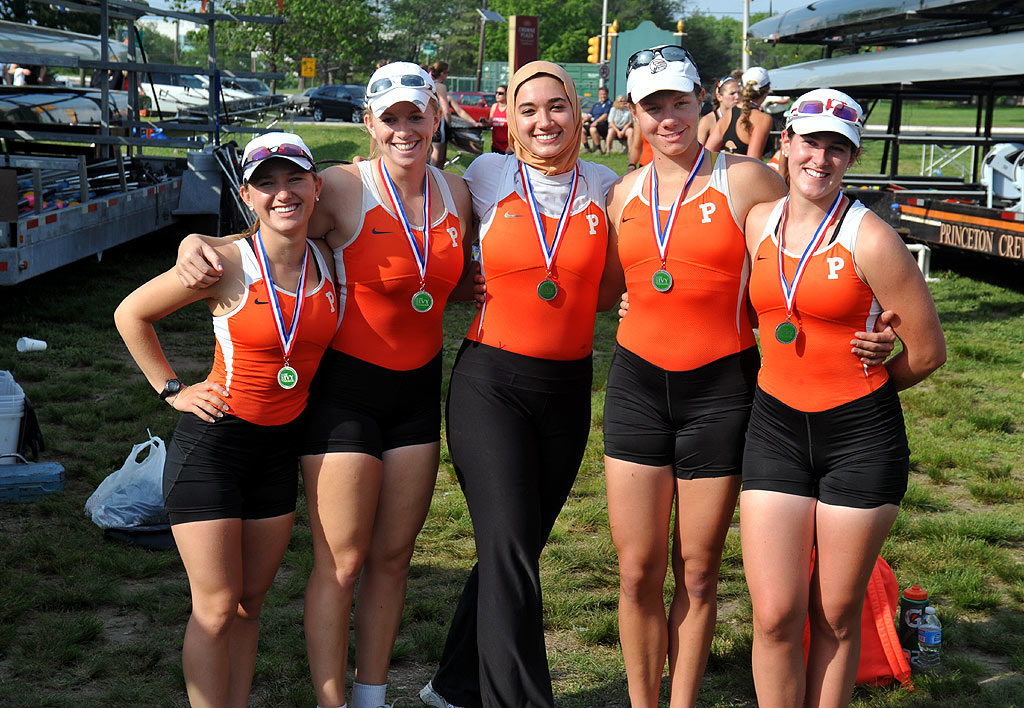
column 826, row 110
column 674, row 72
column 287, row 146
column 396, row 82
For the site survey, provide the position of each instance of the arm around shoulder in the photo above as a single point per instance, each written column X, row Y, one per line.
column 893, row 276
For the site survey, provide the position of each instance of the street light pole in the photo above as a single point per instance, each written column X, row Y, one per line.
column 483, row 38
column 485, row 17
column 745, row 59
column 604, row 40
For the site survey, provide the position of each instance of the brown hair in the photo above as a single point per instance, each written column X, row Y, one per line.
column 715, row 103
column 437, row 68
column 750, row 99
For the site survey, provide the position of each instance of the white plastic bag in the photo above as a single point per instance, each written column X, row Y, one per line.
column 133, row 495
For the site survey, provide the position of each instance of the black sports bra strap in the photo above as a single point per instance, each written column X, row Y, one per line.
column 839, row 224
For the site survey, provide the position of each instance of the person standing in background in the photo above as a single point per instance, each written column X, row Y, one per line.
column 499, row 121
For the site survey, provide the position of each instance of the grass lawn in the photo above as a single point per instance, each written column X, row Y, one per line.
column 88, row 622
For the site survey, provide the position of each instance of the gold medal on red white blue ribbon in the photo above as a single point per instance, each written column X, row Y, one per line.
column 547, row 289
column 662, row 279
column 287, row 376
column 786, row 332
column 421, row 301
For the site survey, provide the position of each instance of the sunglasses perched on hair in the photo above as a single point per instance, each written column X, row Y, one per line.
column 836, row 108
column 386, row 84
column 646, row 56
column 282, row 150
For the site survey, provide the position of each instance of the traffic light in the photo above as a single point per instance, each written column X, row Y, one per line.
column 613, row 28
column 594, row 50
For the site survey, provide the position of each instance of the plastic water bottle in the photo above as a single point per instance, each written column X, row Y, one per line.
column 929, row 641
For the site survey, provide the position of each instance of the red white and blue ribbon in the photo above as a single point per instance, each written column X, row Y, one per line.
column 663, row 236
column 789, row 289
column 287, row 338
column 420, row 256
column 550, row 252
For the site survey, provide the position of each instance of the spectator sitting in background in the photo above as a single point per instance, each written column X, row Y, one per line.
column 620, row 124
column 596, row 124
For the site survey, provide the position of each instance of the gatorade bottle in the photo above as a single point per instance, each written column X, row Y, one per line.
column 913, row 600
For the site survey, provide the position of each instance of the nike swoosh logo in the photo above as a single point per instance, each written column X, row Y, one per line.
column 761, row 258
column 257, row 301
column 512, row 216
column 627, row 218
column 374, row 229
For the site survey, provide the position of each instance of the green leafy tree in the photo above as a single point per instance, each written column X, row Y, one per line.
column 334, row 32
column 159, row 49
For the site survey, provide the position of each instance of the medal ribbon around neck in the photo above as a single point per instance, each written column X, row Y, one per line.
column 396, row 203
column 550, row 253
column 288, row 338
column 662, row 237
column 789, row 289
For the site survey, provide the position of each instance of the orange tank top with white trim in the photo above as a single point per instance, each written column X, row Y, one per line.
column 514, row 317
column 818, row 370
column 378, row 277
column 248, row 353
column 703, row 317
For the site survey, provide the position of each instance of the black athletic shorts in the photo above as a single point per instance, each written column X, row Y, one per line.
column 231, row 469
column 692, row 420
column 356, row 406
column 853, row 455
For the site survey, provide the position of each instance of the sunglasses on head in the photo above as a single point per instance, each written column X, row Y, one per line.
column 646, row 56
column 386, row 84
column 282, row 150
column 836, row 108
column 724, row 80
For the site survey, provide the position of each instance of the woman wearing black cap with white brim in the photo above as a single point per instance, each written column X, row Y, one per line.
column 826, row 458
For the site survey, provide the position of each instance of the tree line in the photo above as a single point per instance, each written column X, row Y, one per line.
column 348, row 38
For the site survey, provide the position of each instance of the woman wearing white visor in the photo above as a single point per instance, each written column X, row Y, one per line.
column 826, row 458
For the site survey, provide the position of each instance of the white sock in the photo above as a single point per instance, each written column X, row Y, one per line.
column 365, row 696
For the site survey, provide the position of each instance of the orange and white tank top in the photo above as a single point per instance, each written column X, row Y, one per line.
column 514, row 316
column 378, row 277
column 703, row 317
column 248, row 351
column 817, row 371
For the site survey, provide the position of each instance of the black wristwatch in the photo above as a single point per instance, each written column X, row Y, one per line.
column 171, row 387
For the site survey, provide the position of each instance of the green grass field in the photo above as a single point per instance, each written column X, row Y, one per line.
column 89, row 622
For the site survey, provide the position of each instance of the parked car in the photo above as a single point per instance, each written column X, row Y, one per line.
column 255, row 86
column 475, row 103
column 336, row 101
column 300, row 101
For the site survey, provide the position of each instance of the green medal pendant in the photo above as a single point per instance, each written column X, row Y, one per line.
column 786, row 332
column 662, row 280
column 422, row 301
column 547, row 289
column 287, row 377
